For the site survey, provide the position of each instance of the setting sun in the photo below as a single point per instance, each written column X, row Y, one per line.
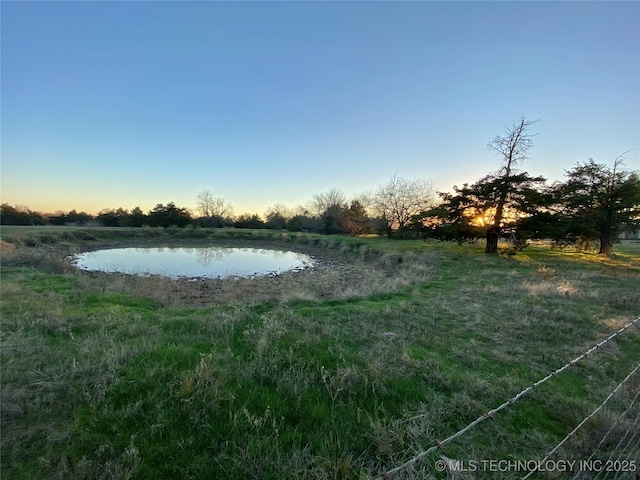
column 479, row 221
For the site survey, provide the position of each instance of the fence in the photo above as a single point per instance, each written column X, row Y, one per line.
column 619, row 457
column 440, row 444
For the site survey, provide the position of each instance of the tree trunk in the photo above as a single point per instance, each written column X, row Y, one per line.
column 492, row 241
column 606, row 246
column 606, row 233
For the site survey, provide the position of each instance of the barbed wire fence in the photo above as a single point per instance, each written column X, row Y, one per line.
column 610, row 461
column 629, row 449
column 441, row 444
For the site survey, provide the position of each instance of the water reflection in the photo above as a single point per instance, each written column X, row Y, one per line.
column 208, row 255
column 212, row 262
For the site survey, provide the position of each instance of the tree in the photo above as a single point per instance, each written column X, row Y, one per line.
column 277, row 216
column 473, row 209
column 496, row 204
column 108, row 218
column 137, row 218
column 446, row 223
column 601, row 202
column 357, row 218
column 334, row 219
column 246, row 220
column 77, row 218
column 302, row 221
column 19, row 215
column 58, row 218
column 321, row 202
column 169, row 215
column 513, row 148
column 114, row 218
column 400, row 199
column 330, row 210
column 214, row 211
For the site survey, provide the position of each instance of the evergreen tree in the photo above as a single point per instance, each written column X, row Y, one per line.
column 600, row 202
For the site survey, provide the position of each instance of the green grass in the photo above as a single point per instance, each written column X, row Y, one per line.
column 103, row 379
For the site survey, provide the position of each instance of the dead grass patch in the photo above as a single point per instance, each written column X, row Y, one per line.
column 6, row 247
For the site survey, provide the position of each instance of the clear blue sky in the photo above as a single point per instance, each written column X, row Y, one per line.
column 119, row 104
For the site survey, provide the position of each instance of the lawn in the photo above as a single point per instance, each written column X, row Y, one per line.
column 344, row 374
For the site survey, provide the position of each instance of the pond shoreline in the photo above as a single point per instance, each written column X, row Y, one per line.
column 313, row 282
column 192, row 262
column 344, row 268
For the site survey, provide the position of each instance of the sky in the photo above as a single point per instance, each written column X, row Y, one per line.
column 122, row 104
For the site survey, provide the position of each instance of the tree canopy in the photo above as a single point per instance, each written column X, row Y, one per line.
column 495, row 204
column 10, row 215
column 169, row 215
column 484, row 209
column 597, row 201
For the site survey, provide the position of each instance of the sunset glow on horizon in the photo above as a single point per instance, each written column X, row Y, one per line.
column 125, row 104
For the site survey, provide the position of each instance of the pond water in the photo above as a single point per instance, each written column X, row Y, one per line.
column 208, row 262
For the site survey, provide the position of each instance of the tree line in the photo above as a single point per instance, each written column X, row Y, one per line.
column 382, row 212
column 595, row 202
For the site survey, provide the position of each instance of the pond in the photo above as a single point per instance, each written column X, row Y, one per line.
column 199, row 262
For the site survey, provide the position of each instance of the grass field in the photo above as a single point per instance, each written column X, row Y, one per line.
column 344, row 374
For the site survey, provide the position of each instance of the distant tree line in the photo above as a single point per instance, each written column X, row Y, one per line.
column 10, row 215
column 595, row 202
column 387, row 211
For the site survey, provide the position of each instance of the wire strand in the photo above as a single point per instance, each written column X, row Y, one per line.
column 441, row 444
column 570, row 434
column 610, row 430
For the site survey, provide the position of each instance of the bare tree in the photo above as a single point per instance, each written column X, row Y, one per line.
column 365, row 199
column 205, row 203
column 277, row 216
column 321, row 202
column 279, row 209
column 514, row 148
column 399, row 199
column 211, row 207
column 329, row 210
